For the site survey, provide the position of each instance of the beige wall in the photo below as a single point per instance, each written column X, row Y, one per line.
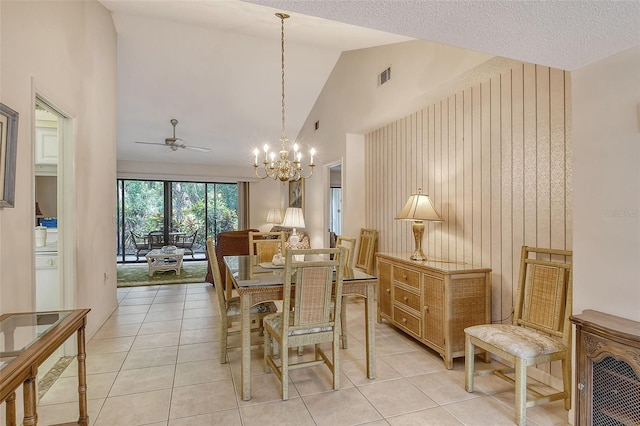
column 351, row 104
column 66, row 51
column 494, row 157
column 606, row 141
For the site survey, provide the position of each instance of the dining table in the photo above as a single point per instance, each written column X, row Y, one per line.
column 255, row 283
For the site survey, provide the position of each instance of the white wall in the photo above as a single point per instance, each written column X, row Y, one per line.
column 351, row 102
column 66, row 50
column 606, row 155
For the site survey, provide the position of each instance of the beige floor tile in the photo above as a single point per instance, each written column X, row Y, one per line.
column 415, row 362
column 198, row 352
column 200, row 335
column 117, row 330
column 126, row 319
column 552, row 413
column 431, row 416
column 196, row 304
column 135, row 301
column 65, row 389
column 342, row 407
column 444, row 387
column 483, row 411
column 222, row 418
column 143, row 380
column 203, row 322
column 97, row 363
column 106, row 346
column 192, row 373
column 163, row 316
column 265, row 388
column 151, row 358
column 316, row 379
column 392, row 344
column 160, row 326
column 169, row 299
column 406, row 397
column 135, row 409
column 356, row 371
column 151, row 341
column 145, row 289
column 67, row 412
column 202, row 398
column 163, row 307
column 132, row 309
column 199, row 313
column 292, row 412
column 198, row 296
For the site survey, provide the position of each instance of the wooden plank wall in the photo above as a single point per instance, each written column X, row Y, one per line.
column 495, row 158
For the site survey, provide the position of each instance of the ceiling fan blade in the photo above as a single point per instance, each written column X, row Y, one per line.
column 196, row 148
column 151, row 143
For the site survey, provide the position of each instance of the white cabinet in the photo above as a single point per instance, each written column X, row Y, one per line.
column 47, row 288
column 46, row 150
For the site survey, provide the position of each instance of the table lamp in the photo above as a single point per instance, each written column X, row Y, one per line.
column 293, row 218
column 274, row 216
column 419, row 208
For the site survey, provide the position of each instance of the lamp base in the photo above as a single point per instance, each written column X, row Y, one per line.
column 418, row 232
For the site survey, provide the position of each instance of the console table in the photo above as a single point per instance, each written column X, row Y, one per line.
column 26, row 341
column 433, row 301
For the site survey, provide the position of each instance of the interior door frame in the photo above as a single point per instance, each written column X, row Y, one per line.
column 326, row 191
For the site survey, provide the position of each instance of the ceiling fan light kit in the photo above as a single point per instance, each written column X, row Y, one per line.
column 172, row 143
column 279, row 166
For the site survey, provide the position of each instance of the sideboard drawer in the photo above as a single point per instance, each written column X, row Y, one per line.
column 406, row 276
column 407, row 298
column 409, row 322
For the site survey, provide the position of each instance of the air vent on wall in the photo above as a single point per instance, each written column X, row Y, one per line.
column 384, row 76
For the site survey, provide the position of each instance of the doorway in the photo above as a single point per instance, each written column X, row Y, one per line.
column 334, row 205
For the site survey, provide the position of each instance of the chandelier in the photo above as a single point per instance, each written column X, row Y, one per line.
column 279, row 166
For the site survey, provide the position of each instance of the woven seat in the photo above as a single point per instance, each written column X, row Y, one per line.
column 229, row 308
column 541, row 331
column 312, row 321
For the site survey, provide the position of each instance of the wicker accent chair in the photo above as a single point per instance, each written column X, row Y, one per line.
column 186, row 242
column 264, row 245
column 140, row 242
column 366, row 250
column 229, row 309
column 312, row 321
column 350, row 245
column 541, row 330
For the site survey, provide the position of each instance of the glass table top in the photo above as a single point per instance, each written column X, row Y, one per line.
column 19, row 331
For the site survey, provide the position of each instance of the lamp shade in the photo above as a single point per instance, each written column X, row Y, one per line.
column 274, row 216
column 419, row 207
column 293, row 218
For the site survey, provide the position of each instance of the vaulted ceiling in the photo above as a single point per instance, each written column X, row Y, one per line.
column 215, row 65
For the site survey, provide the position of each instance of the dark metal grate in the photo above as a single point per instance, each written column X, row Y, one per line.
column 616, row 394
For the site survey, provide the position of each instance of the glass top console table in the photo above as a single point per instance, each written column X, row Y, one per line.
column 26, row 341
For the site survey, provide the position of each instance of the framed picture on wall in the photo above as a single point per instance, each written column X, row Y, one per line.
column 8, row 147
column 296, row 193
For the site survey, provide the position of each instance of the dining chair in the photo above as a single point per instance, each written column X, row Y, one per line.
column 186, row 242
column 312, row 322
column 349, row 244
column 140, row 242
column 229, row 308
column 540, row 333
column 229, row 243
column 264, row 245
column 366, row 250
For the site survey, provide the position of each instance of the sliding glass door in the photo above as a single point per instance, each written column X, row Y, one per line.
column 152, row 214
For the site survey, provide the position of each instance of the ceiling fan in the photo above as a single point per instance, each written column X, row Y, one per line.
column 173, row 144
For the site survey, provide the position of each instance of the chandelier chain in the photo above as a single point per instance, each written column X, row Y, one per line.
column 282, row 17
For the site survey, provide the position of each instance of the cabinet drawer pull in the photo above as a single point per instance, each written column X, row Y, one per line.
column 405, row 298
column 426, row 309
column 405, row 277
column 404, row 320
column 388, row 290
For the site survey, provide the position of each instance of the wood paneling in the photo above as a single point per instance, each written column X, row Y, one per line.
column 495, row 158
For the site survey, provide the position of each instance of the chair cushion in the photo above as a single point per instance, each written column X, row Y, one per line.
column 275, row 322
column 233, row 307
column 520, row 342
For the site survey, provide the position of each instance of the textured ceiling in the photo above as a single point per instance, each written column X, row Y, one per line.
column 215, row 65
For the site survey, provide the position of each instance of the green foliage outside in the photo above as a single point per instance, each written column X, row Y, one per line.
column 142, row 206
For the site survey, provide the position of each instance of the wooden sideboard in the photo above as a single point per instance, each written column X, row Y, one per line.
column 607, row 369
column 433, row 301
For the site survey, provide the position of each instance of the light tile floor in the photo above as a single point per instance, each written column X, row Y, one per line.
column 155, row 362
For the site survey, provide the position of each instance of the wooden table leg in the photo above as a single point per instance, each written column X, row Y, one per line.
column 370, row 332
column 11, row 409
column 82, row 379
column 245, row 309
column 29, row 393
